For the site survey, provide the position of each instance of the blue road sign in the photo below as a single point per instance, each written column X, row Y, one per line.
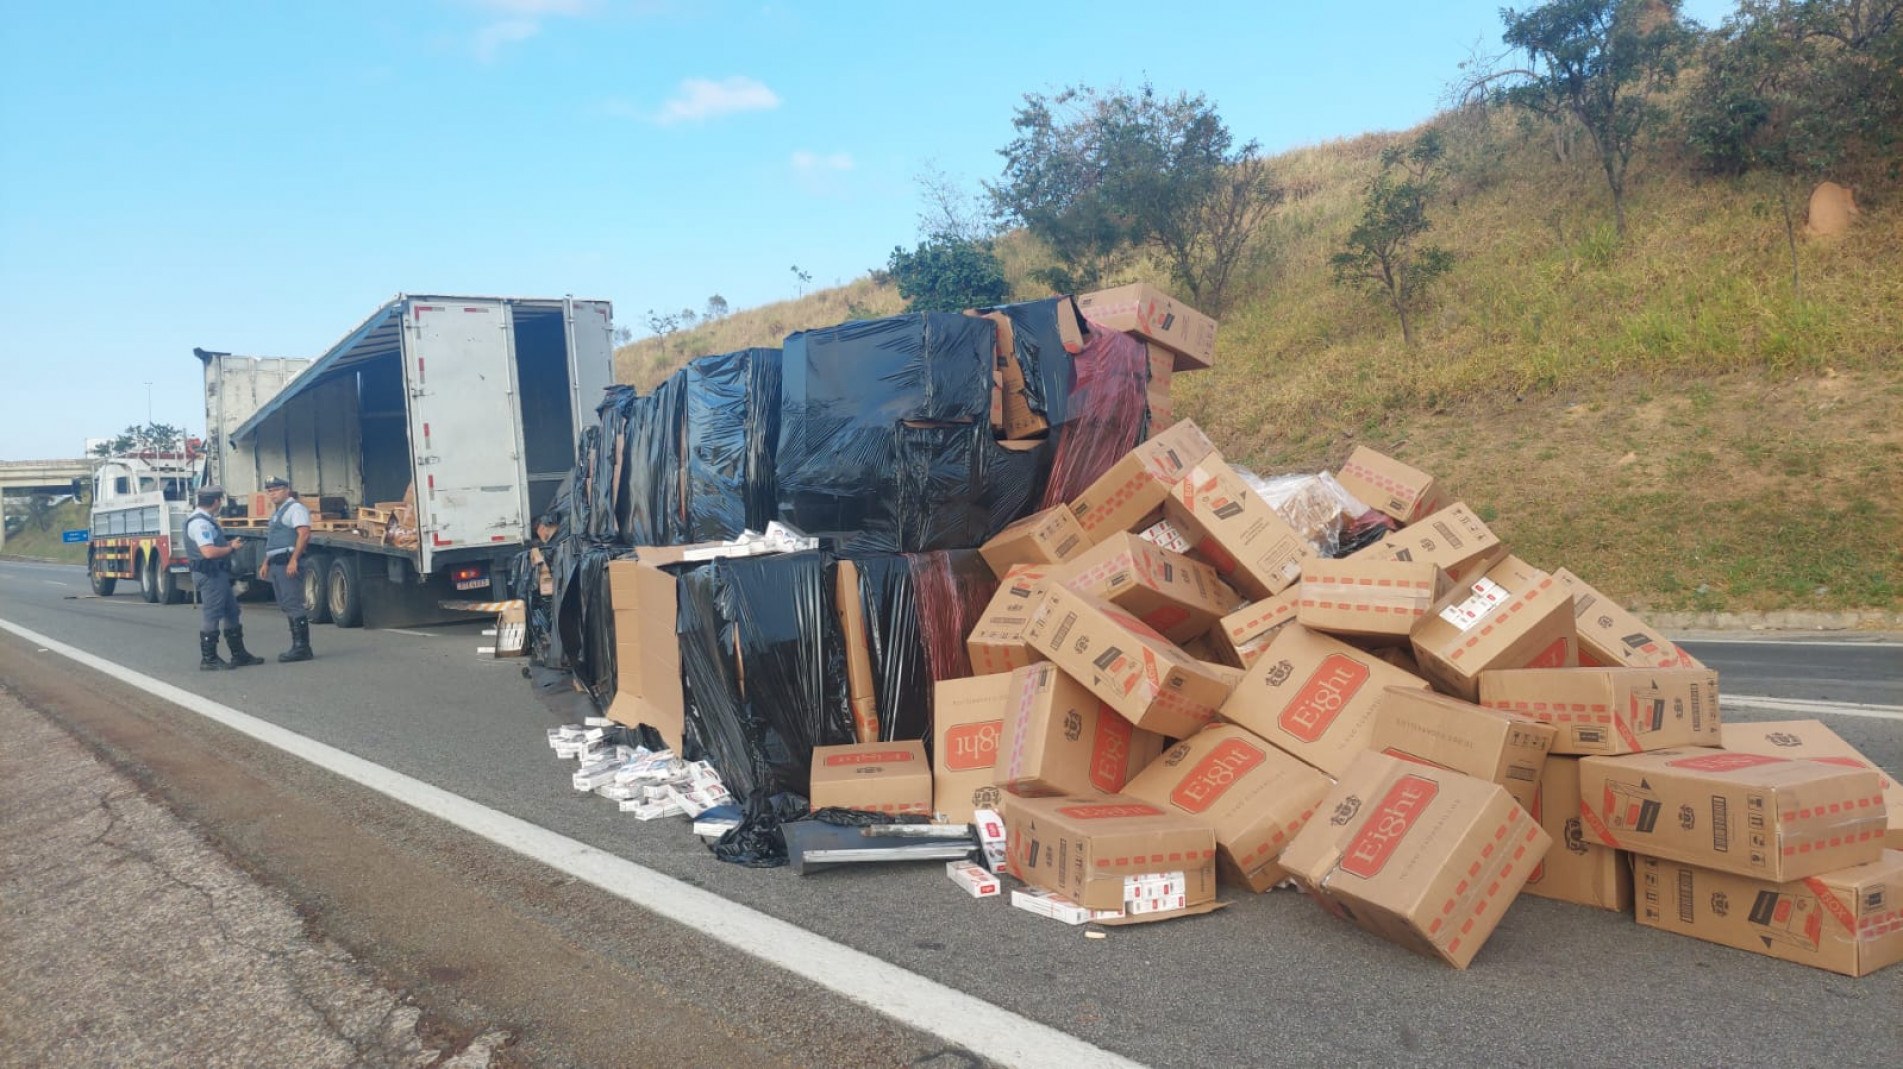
column 81, row 535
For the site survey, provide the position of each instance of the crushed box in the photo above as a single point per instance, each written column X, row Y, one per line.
column 967, row 721
column 1130, row 495
column 1755, row 815
column 1453, row 538
column 1848, row 920
column 1254, row 796
column 1514, row 616
column 1057, row 737
column 1178, row 597
column 1810, row 740
column 1609, row 636
column 850, row 608
column 1242, row 635
column 1576, row 869
column 1048, row 537
column 1314, row 696
column 1609, row 711
column 647, row 652
column 1229, row 525
column 996, row 643
column 1493, row 745
column 1084, row 848
column 1367, row 599
column 1389, row 486
column 881, row 777
column 1155, row 316
column 1426, row 857
column 1138, row 672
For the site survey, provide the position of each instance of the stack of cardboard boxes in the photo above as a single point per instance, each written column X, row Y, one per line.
column 1413, row 734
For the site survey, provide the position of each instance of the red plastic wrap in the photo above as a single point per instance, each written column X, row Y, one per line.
column 953, row 589
column 1109, row 413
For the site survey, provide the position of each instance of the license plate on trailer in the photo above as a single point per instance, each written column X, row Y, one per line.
column 472, row 584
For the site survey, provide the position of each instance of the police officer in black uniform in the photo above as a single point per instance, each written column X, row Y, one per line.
column 210, row 553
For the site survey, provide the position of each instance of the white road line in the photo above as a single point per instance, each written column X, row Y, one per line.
column 1790, row 642
column 54, row 582
column 1814, row 708
column 407, row 631
column 912, row 1000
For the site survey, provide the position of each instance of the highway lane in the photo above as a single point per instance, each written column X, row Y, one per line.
column 1268, row 977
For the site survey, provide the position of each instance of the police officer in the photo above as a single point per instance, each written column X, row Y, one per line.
column 210, row 553
column 284, row 542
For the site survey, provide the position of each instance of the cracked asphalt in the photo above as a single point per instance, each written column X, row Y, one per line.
column 130, row 940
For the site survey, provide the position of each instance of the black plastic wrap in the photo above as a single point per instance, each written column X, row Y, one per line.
column 901, row 669
column 730, row 408
column 1048, row 373
column 764, row 668
column 885, row 436
column 581, row 632
column 655, row 510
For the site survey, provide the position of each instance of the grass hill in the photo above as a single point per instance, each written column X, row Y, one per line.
column 1663, row 414
column 41, row 541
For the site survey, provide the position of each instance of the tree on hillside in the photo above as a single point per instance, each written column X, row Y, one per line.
column 716, row 308
column 1384, row 254
column 1603, row 63
column 944, row 274
column 152, row 437
column 1096, row 175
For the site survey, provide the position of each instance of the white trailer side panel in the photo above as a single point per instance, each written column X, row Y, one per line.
column 464, row 429
column 591, row 357
column 235, row 387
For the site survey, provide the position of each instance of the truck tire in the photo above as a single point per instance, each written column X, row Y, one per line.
column 171, row 591
column 103, row 585
column 346, row 593
column 149, row 578
column 314, row 570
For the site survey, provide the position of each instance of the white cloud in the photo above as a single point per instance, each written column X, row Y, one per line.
column 491, row 38
column 698, row 99
column 814, row 163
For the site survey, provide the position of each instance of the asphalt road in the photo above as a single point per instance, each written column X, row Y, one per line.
column 1270, row 978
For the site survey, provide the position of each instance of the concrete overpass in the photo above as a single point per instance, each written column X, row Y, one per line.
column 40, row 477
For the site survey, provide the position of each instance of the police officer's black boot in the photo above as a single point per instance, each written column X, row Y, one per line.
column 208, row 659
column 300, row 642
column 240, row 657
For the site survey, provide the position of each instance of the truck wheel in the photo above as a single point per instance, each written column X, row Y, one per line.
column 149, row 578
column 314, row 571
column 346, row 593
column 170, row 592
column 103, row 585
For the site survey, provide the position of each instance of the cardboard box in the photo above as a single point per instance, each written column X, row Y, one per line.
column 1177, row 597
column 1376, row 600
column 1243, row 635
column 881, row 777
column 1162, row 367
column 1499, row 747
column 1389, row 486
column 1847, row 921
column 1453, row 538
column 850, row 608
column 1610, row 711
column 1138, row 672
column 1012, row 412
column 1048, row 537
column 1233, row 528
column 512, row 630
column 1315, row 697
column 1810, row 740
column 647, row 652
column 1058, row 738
column 1155, row 316
column 1423, row 856
column 1254, row 796
column 1751, row 814
column 1611, row 637
column 1084, row 848
column 996, row 643
column 967, row 721
column 1514, row 616
column 1130, row 495
column 1575, row 870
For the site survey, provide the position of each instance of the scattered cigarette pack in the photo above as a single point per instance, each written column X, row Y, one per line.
column 973, row 878
column 1057, row 907
column 615, row 792
column 991, row 835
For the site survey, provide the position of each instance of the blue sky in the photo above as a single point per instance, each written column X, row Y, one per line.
column 258, row 177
